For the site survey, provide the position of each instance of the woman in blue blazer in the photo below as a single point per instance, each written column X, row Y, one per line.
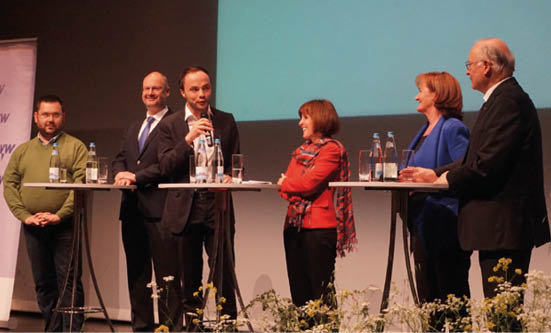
column 441, row 266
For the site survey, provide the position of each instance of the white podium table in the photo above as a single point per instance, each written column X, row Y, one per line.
column 399, row 206
column 221, row 187
column 222, row 235
column 79, row 230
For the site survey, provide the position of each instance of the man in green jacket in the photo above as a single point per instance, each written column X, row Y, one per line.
column 47, row 214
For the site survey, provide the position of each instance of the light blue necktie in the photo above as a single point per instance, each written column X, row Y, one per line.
column 145, row 133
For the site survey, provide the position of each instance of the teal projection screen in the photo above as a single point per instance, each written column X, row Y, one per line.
column 364, row 55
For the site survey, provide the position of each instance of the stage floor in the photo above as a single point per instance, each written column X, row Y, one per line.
column 32, row 322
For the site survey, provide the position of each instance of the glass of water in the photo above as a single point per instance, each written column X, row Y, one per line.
column 192, row 179
column 63, row 174
column 103, row 170
column 237, row 168
column 363, row 166
column 408, row 159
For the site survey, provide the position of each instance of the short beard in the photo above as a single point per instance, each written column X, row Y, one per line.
column 48, row 136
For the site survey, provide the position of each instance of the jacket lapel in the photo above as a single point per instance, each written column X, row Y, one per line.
column 426, row 155
column 151, row 135
column 133, row 135
column 215, row 123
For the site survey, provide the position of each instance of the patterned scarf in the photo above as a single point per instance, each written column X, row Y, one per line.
column 346, row 232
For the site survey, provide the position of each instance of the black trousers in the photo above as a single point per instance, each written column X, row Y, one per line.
column 310, row 255
column 146, row 242
column 49, row 251
column 489, row 259
column 199, row 233
column 439, row 274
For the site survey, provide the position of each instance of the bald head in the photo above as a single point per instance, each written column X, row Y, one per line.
column 496, row 52
column 155, row 91
column 157, row 77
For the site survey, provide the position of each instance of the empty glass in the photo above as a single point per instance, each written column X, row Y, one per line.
column 363, row 166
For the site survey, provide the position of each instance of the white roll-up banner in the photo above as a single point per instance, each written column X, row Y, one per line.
column 17, row 76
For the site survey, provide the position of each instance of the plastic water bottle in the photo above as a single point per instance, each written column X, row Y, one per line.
column 376, row 159
column 92, row 165
column 55, row 163
column 390, row 159
column 201, row 163
column 217, row 169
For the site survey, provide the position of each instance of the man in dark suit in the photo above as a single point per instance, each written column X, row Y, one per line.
column 144, row 238
column 499, row 182
column 190, row 214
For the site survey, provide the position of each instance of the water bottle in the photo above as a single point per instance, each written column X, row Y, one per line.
column 217, row 163
column 390, row 159
column 376, row 159
column 201, row 163
column 55, row 163
column 92, row 165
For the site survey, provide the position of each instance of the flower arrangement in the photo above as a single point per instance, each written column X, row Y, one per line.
column 161, row 295
column 279, row 314
column 515, row 308
column 210, row 318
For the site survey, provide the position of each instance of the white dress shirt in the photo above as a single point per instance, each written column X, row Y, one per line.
column 157, row 118
column 191, row 120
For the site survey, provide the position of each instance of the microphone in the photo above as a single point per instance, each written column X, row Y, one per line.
column 209, row 133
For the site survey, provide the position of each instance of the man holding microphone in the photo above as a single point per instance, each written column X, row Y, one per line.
column 189, row 214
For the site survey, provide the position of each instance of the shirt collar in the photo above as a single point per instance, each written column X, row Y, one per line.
column 491, row 90
column 44, row 142
column 190, row 115
column 159, row 115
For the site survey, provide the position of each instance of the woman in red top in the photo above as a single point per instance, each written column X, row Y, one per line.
column 314, row 230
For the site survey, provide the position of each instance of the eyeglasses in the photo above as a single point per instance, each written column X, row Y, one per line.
column 155, row 89
column 46, row 115
column 468, row 64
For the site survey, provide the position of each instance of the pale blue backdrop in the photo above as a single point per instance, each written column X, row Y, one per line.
column 364, row 55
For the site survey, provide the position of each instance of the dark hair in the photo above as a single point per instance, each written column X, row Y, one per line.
column 447, row 90
column 324, row 115
column 188, row 70
column 49, row 99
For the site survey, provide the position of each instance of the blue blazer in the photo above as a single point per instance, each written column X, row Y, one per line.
column 435, row 219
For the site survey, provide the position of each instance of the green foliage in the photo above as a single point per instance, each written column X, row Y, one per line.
column 158, row 293
column 515, row 308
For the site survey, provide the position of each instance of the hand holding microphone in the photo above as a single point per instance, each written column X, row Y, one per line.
column 208, row 135
column 201, row 126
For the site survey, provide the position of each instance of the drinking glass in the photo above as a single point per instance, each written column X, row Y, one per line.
column 192, row 169
column 408, row 159
column 237, row 168
column 363, row 166
column 103, row 170
column 62, row 174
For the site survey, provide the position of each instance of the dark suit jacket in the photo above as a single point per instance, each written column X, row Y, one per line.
column 174, row 155
column 148, row 200
column 500, row 180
